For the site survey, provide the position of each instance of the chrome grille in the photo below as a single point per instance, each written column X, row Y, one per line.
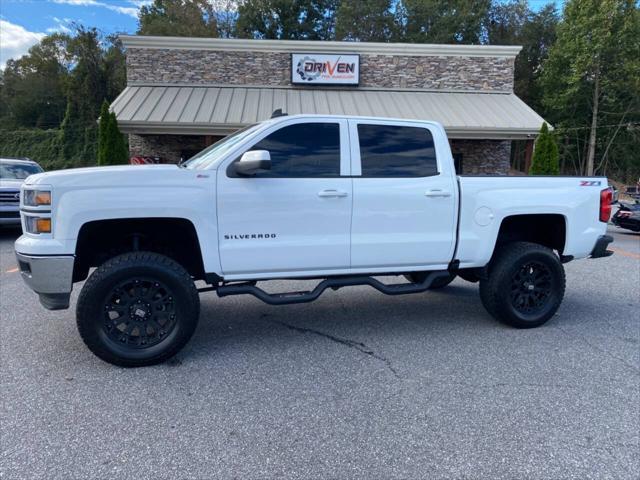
column 10, row 197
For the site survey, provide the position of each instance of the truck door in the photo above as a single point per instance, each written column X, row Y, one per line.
column 404, row 196
column 297, row 215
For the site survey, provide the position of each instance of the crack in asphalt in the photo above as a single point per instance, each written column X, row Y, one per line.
column 599, row 349
column 359, row 346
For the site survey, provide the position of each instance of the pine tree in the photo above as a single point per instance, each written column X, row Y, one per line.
column 545, row 155
column 112, row 148
column 121, row 155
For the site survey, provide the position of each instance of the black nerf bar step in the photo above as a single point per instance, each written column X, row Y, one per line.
column 333, row 283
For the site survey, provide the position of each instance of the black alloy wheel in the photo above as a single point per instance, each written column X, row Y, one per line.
column 531, row 288
column 139, row 313
column 137, row 309
column 525, row 284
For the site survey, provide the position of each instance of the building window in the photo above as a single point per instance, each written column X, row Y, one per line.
column 395, row 151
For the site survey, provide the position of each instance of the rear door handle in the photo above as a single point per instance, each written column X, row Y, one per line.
column 436, row 192
column 331, row 193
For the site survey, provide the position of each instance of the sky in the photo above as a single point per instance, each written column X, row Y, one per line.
column 24, row 22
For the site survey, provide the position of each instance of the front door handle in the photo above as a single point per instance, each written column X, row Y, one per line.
column 436, row 192
column 331, row 193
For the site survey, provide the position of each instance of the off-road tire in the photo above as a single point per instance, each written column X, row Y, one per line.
column 177, row 296
column 523, row 303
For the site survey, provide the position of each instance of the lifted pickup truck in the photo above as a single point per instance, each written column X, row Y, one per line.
column 338, row 199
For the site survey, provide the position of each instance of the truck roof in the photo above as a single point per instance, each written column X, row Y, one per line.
column 18, row 160
column 285, row 116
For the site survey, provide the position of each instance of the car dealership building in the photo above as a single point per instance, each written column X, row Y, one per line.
column 184, row 93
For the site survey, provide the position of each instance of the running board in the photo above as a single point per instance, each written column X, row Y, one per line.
column 333, row 283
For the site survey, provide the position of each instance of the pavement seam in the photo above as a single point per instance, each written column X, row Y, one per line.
column 359, row 346
column 601, row 350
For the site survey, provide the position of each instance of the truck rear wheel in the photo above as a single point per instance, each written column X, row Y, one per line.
column 137, row 309
column 525, row 285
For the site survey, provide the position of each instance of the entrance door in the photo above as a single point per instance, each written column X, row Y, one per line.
column 295, row 217
column 404, row 199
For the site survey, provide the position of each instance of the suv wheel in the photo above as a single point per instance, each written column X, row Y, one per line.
column 137, row 309
column 525, row 285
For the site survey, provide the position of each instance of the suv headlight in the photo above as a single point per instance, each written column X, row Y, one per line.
column 36, row 198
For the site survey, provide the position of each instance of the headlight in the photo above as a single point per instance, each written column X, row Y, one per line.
column 36, row 198
column 37, row 224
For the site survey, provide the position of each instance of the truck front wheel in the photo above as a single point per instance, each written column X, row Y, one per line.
column 137, row 309
column 525, row 285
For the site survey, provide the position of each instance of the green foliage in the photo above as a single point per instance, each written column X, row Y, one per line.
column 37, row 144
column 32, row 92
column 178, row 18
column 103, row 125
column 444, row 21
column 112, row 148
column 286, row 19
column 514, row 23
column 366, row 21
column 591, row 84
column 545, row 155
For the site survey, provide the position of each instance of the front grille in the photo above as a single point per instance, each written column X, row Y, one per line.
column 9, row 214
column 10, row 197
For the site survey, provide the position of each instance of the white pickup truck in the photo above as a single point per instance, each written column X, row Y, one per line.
column 338, row 199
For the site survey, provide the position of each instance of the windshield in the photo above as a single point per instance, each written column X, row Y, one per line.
column 210, row 155
column 18, row 171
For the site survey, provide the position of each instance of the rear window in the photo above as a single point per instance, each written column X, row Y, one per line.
column 396, row 151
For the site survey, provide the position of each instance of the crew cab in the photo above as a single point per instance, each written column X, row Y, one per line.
column 339, row 199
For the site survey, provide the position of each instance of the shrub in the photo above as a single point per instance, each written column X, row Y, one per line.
column 545, row 155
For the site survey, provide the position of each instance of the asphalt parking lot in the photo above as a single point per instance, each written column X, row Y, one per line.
column 355, row 385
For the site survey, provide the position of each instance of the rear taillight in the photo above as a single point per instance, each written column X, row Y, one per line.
column 606, row 196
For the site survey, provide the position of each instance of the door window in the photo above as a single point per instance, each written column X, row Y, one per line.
column 303, row 150
column 396, row 151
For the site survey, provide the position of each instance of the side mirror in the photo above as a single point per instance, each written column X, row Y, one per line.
column 253, row 162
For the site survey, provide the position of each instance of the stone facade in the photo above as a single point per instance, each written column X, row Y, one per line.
column 169, row 148
column 202, row 67
column 483, row 157
column 393, row 71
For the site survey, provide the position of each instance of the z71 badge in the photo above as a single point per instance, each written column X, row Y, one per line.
column 590, row 183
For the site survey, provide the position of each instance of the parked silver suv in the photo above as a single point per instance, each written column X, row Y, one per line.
column 13, row 172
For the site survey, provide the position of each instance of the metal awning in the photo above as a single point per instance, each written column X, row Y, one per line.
column 220, row 110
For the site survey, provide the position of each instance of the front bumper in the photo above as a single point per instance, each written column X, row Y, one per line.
column 600, row 249
column 50, row 277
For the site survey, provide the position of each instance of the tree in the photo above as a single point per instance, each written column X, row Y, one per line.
column 103, row 127
column 114, row 66
column 32, row 92
column 112, row 148
column 366, row 21
column 178, row 18
column 591, row 78
column 87, row 90
column 286, row 19
column 545, row 155
column 514, row 23
column 444, row 21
